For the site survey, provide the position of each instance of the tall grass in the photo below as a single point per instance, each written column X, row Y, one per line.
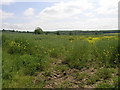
column 26, row 54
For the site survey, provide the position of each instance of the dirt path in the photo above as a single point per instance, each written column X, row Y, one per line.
column 61, row 76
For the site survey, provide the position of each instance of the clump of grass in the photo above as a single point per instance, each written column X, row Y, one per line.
column 104, row 85
column 80, row 76
column 66, row 84
column 62, row 68
column 17, row 82
column 104, row 73
column 6, row 75
column 47, row 73
column 116, row 81
column 93, row 79
column 54, row 52
column 40, row 81
column 33, row 64
column 78, row 55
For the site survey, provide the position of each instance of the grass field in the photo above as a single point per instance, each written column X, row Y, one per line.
column 60, row 61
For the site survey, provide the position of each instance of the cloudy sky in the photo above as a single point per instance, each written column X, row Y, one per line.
column 59, row 14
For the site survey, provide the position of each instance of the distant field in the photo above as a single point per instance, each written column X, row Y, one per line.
column 60, row 61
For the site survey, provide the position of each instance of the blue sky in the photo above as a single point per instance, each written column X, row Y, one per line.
column 59, row 14
column 19, row 7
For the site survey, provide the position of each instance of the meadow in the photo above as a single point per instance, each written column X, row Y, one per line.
column 60, row 61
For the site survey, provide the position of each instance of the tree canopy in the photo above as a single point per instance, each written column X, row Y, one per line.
column 38, row 30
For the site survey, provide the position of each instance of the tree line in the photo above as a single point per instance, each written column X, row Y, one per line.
column 39, row 31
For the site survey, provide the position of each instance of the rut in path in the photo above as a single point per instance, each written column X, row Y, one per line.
column 58, row 78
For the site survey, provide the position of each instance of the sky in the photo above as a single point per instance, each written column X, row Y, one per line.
column 52, row 15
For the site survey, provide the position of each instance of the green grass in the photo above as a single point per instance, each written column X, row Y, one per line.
column 93, row 79
column 27, row 55
column 80, row 76
column 105, row 85
column 104, row 73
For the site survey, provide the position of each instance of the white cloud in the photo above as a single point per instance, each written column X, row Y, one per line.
column 72, row 14
column 108, row 7
column 6, row 2
column 65, row 9
column 6, row 15
column 92, row 24
column 90, row 14
column 29, row 12
column 77, row 14
column 14, row 26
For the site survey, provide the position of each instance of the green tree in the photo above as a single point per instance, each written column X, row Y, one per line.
column 38, row 30
column 70, row 33
column 58, row 33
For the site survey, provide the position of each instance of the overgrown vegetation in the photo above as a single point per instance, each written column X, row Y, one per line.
column 59, row 61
